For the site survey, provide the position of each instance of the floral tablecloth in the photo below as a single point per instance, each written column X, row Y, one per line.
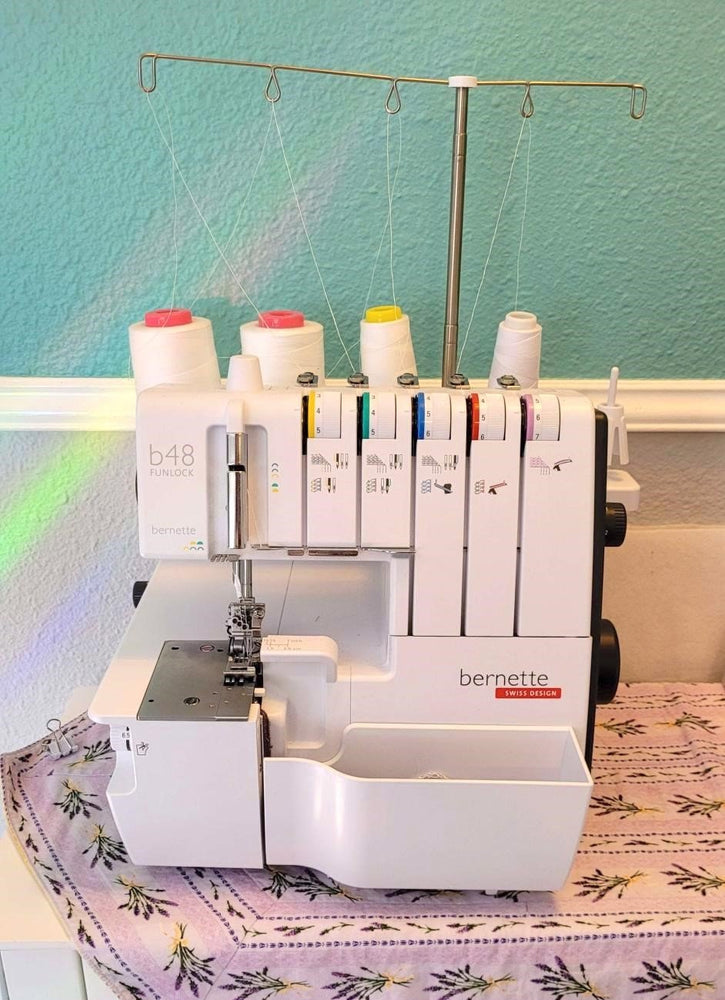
column 643, row 913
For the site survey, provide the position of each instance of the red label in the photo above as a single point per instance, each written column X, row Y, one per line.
column 542, row 692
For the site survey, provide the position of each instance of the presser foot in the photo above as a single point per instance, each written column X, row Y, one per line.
column 244, row 627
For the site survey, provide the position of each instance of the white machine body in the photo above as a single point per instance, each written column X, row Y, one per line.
column 424, row 702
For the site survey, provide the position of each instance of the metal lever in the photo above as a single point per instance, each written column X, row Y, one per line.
column 455, row 236
column 237, row 453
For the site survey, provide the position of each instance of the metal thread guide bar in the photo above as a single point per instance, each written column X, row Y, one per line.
column 147, row 65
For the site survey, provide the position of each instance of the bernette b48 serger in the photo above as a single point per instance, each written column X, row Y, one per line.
column 410, row 577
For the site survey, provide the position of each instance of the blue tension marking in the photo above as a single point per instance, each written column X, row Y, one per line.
column 421, row 416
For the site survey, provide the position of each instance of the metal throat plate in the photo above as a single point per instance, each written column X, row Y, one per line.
column 188, row 685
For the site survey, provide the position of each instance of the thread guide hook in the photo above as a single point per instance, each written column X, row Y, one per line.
column 273, row 91
column 141, row 63
column 634, row 111
column 392, row 101
column 527, row 104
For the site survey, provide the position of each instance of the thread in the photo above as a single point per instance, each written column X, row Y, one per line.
column 199, row 212
column 493, row 241
column 389, row 219
column 309, row 241
column 331, row 371
column 386, row 347
column 517, row 351
column 172, row 347
column 390, row 203
column 285, row 351
column 284, row 598
column 176, row 214
column 523, row 214
column 228, row 243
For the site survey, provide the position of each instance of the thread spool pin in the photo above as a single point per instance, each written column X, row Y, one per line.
column 616, row 424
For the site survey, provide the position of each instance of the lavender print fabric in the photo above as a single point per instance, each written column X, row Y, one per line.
column 643, row 913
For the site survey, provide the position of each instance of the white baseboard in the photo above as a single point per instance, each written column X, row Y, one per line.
column 108, row 404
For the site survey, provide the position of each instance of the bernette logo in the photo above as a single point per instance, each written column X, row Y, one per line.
column 197, row 546
column 526, row 684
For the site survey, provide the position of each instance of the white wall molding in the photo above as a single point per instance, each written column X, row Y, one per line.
column 108, row 404
column 660, row 405
column 67, row 404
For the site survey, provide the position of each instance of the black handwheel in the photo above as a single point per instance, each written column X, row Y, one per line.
column 609, row 663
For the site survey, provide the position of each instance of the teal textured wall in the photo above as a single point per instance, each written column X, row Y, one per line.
column 625, row 234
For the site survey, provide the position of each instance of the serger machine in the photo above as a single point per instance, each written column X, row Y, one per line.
column 405, row 693
column 373, row 645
